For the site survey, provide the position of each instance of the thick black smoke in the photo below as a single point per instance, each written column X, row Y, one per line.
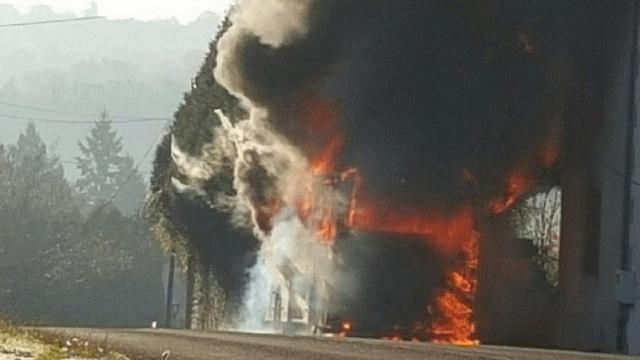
column 383, row 284
column 424, row 89
column 435, row 103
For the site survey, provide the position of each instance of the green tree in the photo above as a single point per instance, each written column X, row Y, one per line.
column 109, row 275
column 37, row 211
column 203, row 237
column 107, row 174
column 60, row 267
column 36, row 193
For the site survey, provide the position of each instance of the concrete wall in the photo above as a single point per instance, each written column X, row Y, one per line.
column 619, row 108
column 633, row 323
column 610, row 168
column 592, row 317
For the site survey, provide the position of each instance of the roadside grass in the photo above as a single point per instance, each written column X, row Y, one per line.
column 51, row 346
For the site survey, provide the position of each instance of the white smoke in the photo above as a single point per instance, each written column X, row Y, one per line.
column 194, row 168
column 286, row 242
column 214, row 159
column 271, row 175
column 274, row 22
column 290, row 242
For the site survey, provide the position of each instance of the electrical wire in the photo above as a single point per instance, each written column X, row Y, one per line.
column 68, row 113
column 61, row 121
column 57, row 21
column 60, row 112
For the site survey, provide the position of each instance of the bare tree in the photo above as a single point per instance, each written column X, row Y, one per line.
column 538, row 218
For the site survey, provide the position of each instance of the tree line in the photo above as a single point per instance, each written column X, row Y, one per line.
column 76, row 252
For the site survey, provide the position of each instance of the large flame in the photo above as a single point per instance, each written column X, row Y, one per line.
column 317, row 205
column 453, row 234
column 454, row 304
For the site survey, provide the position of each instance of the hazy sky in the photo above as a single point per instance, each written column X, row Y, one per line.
column 183, row 10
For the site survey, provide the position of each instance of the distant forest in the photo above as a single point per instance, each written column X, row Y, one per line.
column 75, row 246
column 76, row 253
column 72, row 71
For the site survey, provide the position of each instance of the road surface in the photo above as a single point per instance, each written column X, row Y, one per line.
column 194, row 345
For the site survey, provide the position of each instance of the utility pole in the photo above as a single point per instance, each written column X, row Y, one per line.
column 169, row 306
column 191, row 283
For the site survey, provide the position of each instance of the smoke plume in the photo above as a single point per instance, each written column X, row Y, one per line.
column 423, row 108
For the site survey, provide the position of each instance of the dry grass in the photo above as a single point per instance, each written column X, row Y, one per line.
column 47, row 346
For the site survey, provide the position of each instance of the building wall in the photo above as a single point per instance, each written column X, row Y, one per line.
column 633, row 324
column 591, row 315
column 610, row 167
column 620, row 108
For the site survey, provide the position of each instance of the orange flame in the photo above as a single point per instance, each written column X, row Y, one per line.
column 455, row 236
column 324, row 162
column 319, row 117
column 325, row 139
column 455, row 324
column 518, row 184
column 446, row 233
column 319, row 214
column 346, row 328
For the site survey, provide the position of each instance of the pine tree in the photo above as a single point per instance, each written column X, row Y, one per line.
column 36, row 177
column 108, row 175
column 51, row 257
column 37, row 212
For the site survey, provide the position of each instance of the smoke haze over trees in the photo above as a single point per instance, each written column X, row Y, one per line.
column 131, row 67
column 60, row 266
column 72, row 187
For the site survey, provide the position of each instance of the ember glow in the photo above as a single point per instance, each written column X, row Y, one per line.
column 347, row 326
column 549, row 151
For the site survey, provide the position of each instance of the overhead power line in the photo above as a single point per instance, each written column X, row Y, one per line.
column 52, row 111
column 44, row 22
column 62, row 112
column 62, row 121
column 75, row 162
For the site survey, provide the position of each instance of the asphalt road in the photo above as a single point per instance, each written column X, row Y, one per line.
column 186, row 344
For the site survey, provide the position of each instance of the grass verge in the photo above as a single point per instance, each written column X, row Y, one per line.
column 30, row 343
